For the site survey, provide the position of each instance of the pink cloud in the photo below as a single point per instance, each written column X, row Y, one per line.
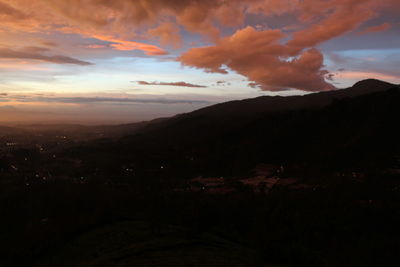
column 338, row 17
column 296, row 64
column 261, row 57
column 168, row 34
column 378, row 28
column 269, row 58
column 123, row 45
column 179, row 84
column 9, row 11
column 359, row 75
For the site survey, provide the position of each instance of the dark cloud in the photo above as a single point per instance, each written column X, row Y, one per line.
column 35, row 53
column 330, row 76
column 222, row 83
column 181, row 84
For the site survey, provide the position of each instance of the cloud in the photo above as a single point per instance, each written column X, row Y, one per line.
column 122, row 45
column 344, row 18
column 35, row 49
column 373, row 29
column 126, row 18
column 9, row 11
column 275, row 61
column 49, row 43
column 222, row 83
column 271, row 55
column 360, row 75
column 260, row 56
column 35, row 54
column 130, row 20
column 181, row 84
column 101, row 99
column 168, row 34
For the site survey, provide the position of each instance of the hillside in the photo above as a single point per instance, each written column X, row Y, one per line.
column 330, row 130
column 267, row 121
column 238, row 111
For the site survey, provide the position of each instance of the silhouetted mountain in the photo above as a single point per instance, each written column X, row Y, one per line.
column 250, row 109
column 352, row 127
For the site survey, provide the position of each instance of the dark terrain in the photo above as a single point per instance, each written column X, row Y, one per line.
column 273, row 181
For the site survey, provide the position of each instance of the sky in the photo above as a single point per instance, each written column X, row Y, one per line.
column 121, row 61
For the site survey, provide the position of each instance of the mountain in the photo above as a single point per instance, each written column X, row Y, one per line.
column 331, row 131
column 249, row 109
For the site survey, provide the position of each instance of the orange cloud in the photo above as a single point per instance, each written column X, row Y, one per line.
column 379, row 28
column 327, row 18
column 9, row 11
column 125, row 17
column 339, row 17
column 122, row 45
column 277, row 66
column 168, row 33
column 273, row 7
column 261, row 57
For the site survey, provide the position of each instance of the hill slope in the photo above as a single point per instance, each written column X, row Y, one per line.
column 331, row 130
column 237, row 111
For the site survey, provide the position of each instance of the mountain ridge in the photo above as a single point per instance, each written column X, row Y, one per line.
column 238, row 111
column 355, row 131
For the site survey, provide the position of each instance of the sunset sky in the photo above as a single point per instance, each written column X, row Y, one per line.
column 103, row 61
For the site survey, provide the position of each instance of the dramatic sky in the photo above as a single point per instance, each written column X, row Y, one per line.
column 113, row 61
